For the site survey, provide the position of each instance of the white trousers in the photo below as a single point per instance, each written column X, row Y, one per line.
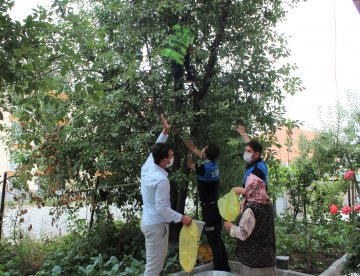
column 156, row 247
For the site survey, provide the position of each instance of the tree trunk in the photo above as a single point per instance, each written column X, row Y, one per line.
column 178, row 197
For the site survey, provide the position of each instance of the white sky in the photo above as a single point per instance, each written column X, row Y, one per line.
column 325, row 44
column 323, row 55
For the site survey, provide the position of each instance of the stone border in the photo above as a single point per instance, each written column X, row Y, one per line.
column 335, row 268
column 235, row 270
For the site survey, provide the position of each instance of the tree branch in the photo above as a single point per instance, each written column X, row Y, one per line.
column 209, row 71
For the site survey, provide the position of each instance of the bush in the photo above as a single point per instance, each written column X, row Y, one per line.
column 311, row 246
column 107, row 241
column 23, row 258
column 352, row 264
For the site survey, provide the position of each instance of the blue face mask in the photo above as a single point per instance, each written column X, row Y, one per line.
column 247, row 157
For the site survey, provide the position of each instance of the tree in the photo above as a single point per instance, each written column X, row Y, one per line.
column 336, row 149
column 103, row 61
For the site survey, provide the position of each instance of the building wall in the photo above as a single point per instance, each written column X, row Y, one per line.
column 4, row 156
column 282, row 153
column 282, row 203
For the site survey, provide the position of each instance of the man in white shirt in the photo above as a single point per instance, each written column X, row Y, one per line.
column 157, row 212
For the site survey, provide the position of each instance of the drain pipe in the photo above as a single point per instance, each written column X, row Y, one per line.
column 2, row 202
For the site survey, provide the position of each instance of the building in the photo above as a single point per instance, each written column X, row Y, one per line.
column 288, row 151
column 287, row 154
column 5, row 163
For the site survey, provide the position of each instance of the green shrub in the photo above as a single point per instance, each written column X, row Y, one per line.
column 352, row 264
column 23, row 258
column 311, row 246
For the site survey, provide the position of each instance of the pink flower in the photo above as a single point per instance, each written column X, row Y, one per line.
column 346, row 210
column 333, row 209
column 357, row 208
column 349, row 175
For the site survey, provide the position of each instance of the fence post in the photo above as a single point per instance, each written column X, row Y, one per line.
column 2, row 203
column 94, row 203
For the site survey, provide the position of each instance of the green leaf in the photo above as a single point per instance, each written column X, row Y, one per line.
column 56, row 270
column 83, row 94
column 63, row 71
column 82, row 269
column 112, row 260
column 95, row 97
column 90, row 89
column 89, row 268
column 29, row 108
column 89, row 80
column 43, row 16
column 78, row 87
column 115, row 267
column 18, row 52
column 46, row 99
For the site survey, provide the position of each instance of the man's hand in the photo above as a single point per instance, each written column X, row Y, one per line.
column 239, row 190
column 228, row 225
column 165, row 124
column 240, row 129
column 186, row 220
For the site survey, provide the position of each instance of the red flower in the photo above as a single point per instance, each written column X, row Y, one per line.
column 346, row 210
column 349, row 175
column 333, row 209
column 357, row 208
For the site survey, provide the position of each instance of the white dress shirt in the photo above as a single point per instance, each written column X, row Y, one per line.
column 155, row 192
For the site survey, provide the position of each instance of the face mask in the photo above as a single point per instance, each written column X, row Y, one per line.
column 203, row 154
column 171, row 163
column 247, row 157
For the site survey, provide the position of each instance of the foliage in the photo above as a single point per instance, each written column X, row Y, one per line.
column 350, row 222
column 120, row 245
column 92, row 83
column 118, row 250
column 312, row 247
column 316, row 180
column 112, row 267
column 336, row 149
column 353, row 259
column 23, row 258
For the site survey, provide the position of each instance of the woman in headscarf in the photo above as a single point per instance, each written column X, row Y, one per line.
column 255, row 231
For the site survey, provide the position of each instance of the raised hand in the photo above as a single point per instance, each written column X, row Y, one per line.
column 240, row 129
column 165, row 124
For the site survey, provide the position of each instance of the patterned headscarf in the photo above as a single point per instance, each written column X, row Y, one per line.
column 255, row 191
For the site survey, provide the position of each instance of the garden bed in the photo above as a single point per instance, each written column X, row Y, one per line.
column 333, row 270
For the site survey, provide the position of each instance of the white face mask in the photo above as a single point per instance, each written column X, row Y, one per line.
column 247, row 157
column 171, row 163
column 203, row 154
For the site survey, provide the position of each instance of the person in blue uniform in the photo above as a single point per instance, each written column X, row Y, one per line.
column 252, row 156
column 208, row 179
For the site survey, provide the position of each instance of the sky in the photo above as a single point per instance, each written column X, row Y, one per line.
column 323, row 37
column 324, row 40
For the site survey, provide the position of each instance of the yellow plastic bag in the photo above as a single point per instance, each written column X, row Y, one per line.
column 188, row 246
column 229, row 206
